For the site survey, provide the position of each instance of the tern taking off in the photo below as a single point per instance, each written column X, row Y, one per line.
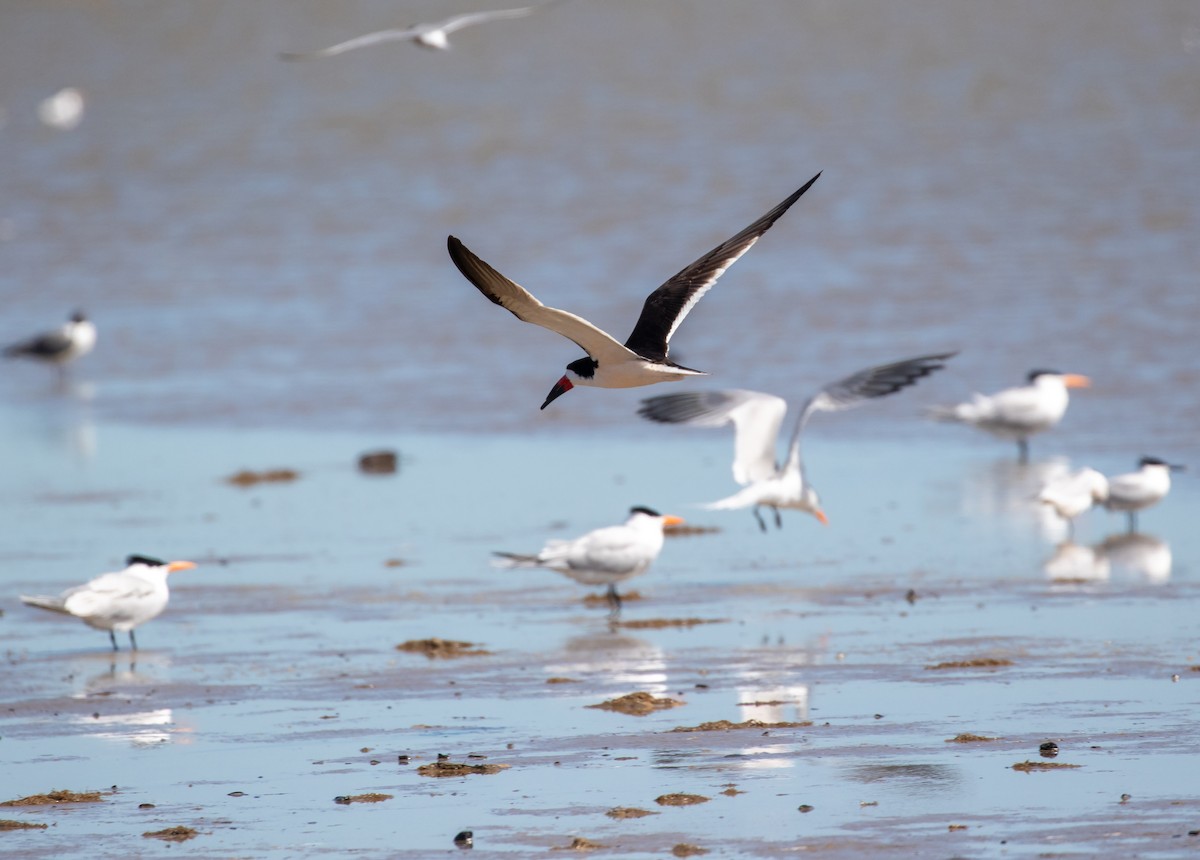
column 1017, row 413
column 605, row 556
column 1133, row 491
column 117, row 601
column 435, row 36
column 60, row 347
column 642, row 360
column 757, row 418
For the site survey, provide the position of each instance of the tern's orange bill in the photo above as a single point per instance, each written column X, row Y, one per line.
column 1076, row 380
column 174, row 566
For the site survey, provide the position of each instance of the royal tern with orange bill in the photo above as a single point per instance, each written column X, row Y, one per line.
column 434, row 35
column 1134, row 491
column 118, row 601
column 642, row 360
column 605, row 556
column 757, row 418
column 1017, row 413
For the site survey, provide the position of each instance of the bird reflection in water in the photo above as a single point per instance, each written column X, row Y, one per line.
column 616, row 657
column 1138, row 555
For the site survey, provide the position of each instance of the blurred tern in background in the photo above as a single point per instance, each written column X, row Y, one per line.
column 1074, row 493
column 75, row 338
column 1133, row 491
column 117, row 601
column 605, row 556
column 757, row 418
column 1017, row 413
column 434, row 36
column 642, row 360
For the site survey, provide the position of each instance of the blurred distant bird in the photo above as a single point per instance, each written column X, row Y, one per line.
column 121, row 600
column 642, row 360
column 1017, row 413
column 757, row 418
column 605, row 556
column 74, row 339
column 1073, row 493
column 63, row 110
column 434, row 35
column 1133, row 491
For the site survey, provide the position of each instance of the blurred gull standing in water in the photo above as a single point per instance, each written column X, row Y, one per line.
column 1134, row 491
column 75, row 338
column 118, row 601
column 757, row 418
column 1017, row 413
column 605, row 556
column 434, row 36
column 642, row 359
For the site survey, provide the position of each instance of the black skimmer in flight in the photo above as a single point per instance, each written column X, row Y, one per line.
column 1017, row 413
column 757, row 418
column 605, row 556
column 75, row 338
column 118, row 601
column 642, row 359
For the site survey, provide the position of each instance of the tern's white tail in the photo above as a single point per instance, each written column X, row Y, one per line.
column 42, row 601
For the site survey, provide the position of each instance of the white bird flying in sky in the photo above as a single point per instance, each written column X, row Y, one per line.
column 757, row 418
column 434, row 35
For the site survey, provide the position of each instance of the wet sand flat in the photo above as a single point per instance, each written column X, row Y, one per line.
column 273, row 684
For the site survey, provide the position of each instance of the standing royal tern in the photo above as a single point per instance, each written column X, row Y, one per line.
column 605, row 556
column 643, row 358
column 1133, row 491
column 434, row 35
column 1017, row 413
column 75, row 338
column 1073, row 493
column 757, row 418
column 121, row 600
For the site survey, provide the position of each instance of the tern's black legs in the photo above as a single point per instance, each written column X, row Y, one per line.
column 778, row 519
column 614, row 601
column 761, row 523
column 1132, row 522
column 113, row 637
column 132, row 641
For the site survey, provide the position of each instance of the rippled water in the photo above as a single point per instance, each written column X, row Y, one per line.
column 262, row 245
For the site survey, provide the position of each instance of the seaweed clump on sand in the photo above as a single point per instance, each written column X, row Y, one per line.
column 52, row 798
column 637, row 704
column 172, row 834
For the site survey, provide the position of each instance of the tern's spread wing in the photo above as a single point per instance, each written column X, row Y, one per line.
column 525, row 307
column 393, row 35
column 857, row 388
column 756, row 420
column 666, row 307
column 45, row 345
column 460, row 21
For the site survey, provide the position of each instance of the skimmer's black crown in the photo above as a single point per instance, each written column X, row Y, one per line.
column 584, row 367
column 1034, row 374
